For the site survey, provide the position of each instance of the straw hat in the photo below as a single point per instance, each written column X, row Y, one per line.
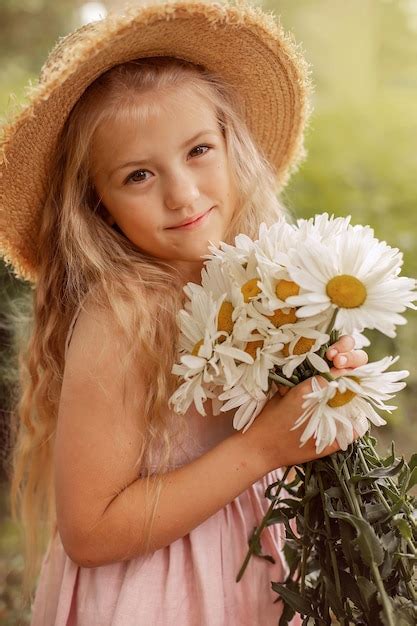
column 239, row 41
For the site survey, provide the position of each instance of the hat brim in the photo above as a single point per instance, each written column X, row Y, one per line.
column 243, row 44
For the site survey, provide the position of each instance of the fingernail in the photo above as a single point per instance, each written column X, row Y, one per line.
column 332, row 353
column 342, row 360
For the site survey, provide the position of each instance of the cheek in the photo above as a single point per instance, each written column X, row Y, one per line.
column 144, row 227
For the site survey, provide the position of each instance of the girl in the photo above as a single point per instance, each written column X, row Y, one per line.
column 150, row 134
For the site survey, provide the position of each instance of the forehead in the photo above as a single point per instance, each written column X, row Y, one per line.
column 178, row 112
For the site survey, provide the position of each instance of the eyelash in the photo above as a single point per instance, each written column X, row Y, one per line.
column 202, row 145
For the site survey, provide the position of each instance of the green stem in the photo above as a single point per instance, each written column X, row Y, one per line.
column 386, row 604
column 327, row 376
column 409, row 511
column 329, row 543
column 262, row 525
column 383, row 499
column 354, row 570
column 342, row 482
column 387, row 507
column 281, row 380
column 304, row 553
column 330, row 326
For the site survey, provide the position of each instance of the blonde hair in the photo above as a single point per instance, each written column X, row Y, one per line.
column 80, row 254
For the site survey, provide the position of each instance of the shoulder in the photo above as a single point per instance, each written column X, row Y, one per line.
column 94, row 327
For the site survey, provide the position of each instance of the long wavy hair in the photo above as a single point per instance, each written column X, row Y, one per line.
column 80, row 254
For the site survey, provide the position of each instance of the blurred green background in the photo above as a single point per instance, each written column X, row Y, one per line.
column 362, row 145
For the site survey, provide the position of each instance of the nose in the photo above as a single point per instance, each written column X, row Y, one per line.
column 181, row 190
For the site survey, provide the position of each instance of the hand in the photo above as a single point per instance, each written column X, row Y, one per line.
column 344, row 356
column 341, row 349
column 271, row 436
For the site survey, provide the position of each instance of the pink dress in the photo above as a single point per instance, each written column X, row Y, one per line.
column 190, row 582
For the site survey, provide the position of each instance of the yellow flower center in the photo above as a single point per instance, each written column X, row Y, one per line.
column 197, row 347
column 303, row 345
column 252, row 346
column 224, row 321
column 346, row 291
column 250, row 289
column 339, row 399
column 286, row 288
column 278, row 318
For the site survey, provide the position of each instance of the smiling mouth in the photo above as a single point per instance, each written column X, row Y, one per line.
column 191, row 222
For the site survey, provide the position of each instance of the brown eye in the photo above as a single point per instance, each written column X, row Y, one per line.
column 201, row 146
column 133, row 175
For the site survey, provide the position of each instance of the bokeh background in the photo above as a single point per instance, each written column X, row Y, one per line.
column 362, row 145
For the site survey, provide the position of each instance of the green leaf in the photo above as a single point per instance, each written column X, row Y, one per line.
column 279, row 515
column 390, row 541
column 296, row 601
column 403, row 526
column 334, row 492
column 367, row 587
column 350, row 588
column 412, row 480
column 413, row 462
column 361, row 478
column 370, row 546
column 383, row 472
column 375, row 512
column 389, row 460
column 311, row 493
column 286, row 615
column 291, row 554
column 335, row 602
column 387, row 565
column 254, row 542
column 403, row 480
column 347, row 534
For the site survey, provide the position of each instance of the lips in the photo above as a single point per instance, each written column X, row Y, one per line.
column 190, row 221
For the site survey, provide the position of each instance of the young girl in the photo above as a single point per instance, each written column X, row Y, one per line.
column 150, row 134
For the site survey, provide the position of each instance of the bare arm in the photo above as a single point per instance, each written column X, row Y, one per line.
column 190, row 495
column 100, row 499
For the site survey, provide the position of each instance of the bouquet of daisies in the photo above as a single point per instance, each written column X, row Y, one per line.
column 264, row 314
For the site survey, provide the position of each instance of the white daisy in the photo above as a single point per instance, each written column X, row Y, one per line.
column 192, row 390
column 239, row 252
column 255, row 339
column 248, row 405
column 302, row 344
column 373, row 383
column 357, row 274
column 325, row 423
column 275, row 287
column 322, row 226
column 336, row 409
column 274, row 241
column 218, row 283
column 206, row 357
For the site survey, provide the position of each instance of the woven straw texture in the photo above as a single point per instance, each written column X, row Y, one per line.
column 240, row 41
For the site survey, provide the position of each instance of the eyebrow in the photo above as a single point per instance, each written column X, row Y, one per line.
column 146, row 160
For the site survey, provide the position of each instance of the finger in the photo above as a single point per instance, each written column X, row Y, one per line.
column 343, row 344
column 282, row 390
column 339, row 371
column 354, row 358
